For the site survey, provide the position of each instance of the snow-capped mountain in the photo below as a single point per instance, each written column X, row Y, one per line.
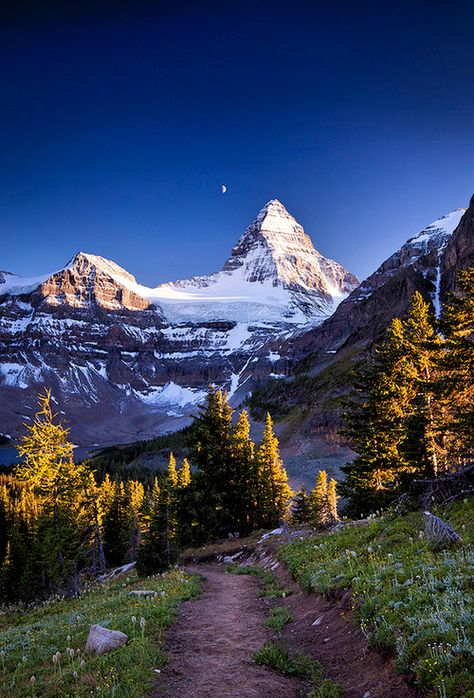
column 366, row 312
column 97, row 337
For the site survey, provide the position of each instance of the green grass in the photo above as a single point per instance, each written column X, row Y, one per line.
column 272, row 589
column 279, row 658
column 410, row 601
column 278, row 618
column 325, row 688
column 30, row 638
column 298, row 664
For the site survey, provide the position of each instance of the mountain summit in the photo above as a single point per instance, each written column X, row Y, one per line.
column 276, row 248
column 273, row 268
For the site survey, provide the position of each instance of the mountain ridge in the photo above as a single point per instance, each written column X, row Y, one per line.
column 96, row 336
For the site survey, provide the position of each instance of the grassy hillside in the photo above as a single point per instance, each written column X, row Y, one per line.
column 29, row 639
column 415, row 603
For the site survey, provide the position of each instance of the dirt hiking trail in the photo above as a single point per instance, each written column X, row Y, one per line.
column 209, row 649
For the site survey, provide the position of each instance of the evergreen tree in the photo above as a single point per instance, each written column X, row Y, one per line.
column 211, row 454
column 458, row 367
column 332, row 501
column 318, row 501
column 241, row 491
column 58, row 483
column 392, row 420
column 159, row 548
column 422, row 447
column 274, row 492
column 171, row 471
column 301, row 510
column 117, row 522
column 184, row 474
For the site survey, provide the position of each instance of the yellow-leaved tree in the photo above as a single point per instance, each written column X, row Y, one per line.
column 60, row 485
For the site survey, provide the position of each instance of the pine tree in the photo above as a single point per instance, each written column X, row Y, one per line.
column 117, row 523
column 274, row 492
column 184, row 474
column 171, row 471
column 159, row 547
column 211, row 454
column 332, row 501
column 301, row 510
column 58, row 483
column 318, row 501
column 399, row 425
column 458, row 368
column 93, row 513
column 422, row 446
column 241, row 489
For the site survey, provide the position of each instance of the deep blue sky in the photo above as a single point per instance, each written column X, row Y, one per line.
column 120, row 123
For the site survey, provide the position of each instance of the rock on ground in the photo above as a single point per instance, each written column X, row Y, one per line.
column 102, row 640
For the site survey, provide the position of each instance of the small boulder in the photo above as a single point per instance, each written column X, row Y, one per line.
column 102, row 640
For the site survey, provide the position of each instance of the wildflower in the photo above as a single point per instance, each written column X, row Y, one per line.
column 83, row 663
column 75, row 674
column 68, row 638
column 33, row 680
column 134, row 620
column 142, row 622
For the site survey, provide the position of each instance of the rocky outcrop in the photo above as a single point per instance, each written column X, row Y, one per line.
column 459, row 252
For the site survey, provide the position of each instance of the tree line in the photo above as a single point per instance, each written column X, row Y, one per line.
column 412, row 414
column 60, row 523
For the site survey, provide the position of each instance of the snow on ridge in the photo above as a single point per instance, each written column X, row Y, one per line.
column 441, row 227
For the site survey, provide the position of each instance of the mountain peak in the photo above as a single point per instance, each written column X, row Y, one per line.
column 275, row 249
column 83, row 261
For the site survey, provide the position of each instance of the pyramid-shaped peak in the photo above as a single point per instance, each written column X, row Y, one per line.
column 275, row 249
column 84, row 261
column 274, row 208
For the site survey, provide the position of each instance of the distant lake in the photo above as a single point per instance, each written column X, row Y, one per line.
column 9, row 455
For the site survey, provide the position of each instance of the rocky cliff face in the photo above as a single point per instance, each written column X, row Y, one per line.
column 363, row 316
column 459, row 252
column 125, row 361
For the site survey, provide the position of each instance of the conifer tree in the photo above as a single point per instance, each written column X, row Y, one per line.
column 241, row 489
column 332, row 501
column 274, row 492
column 159, row 549
column 58, row 483
column 184, row 474
column 211, row 454
column 93, row 513
column 116, row 527
column 458, row 366
column 318, row 501
column 422, row 448
column 171, row 471
column 301, row 510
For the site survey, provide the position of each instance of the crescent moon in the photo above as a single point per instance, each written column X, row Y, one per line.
column 223, row 189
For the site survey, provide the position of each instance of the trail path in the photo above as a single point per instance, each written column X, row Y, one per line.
column 209, row 648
